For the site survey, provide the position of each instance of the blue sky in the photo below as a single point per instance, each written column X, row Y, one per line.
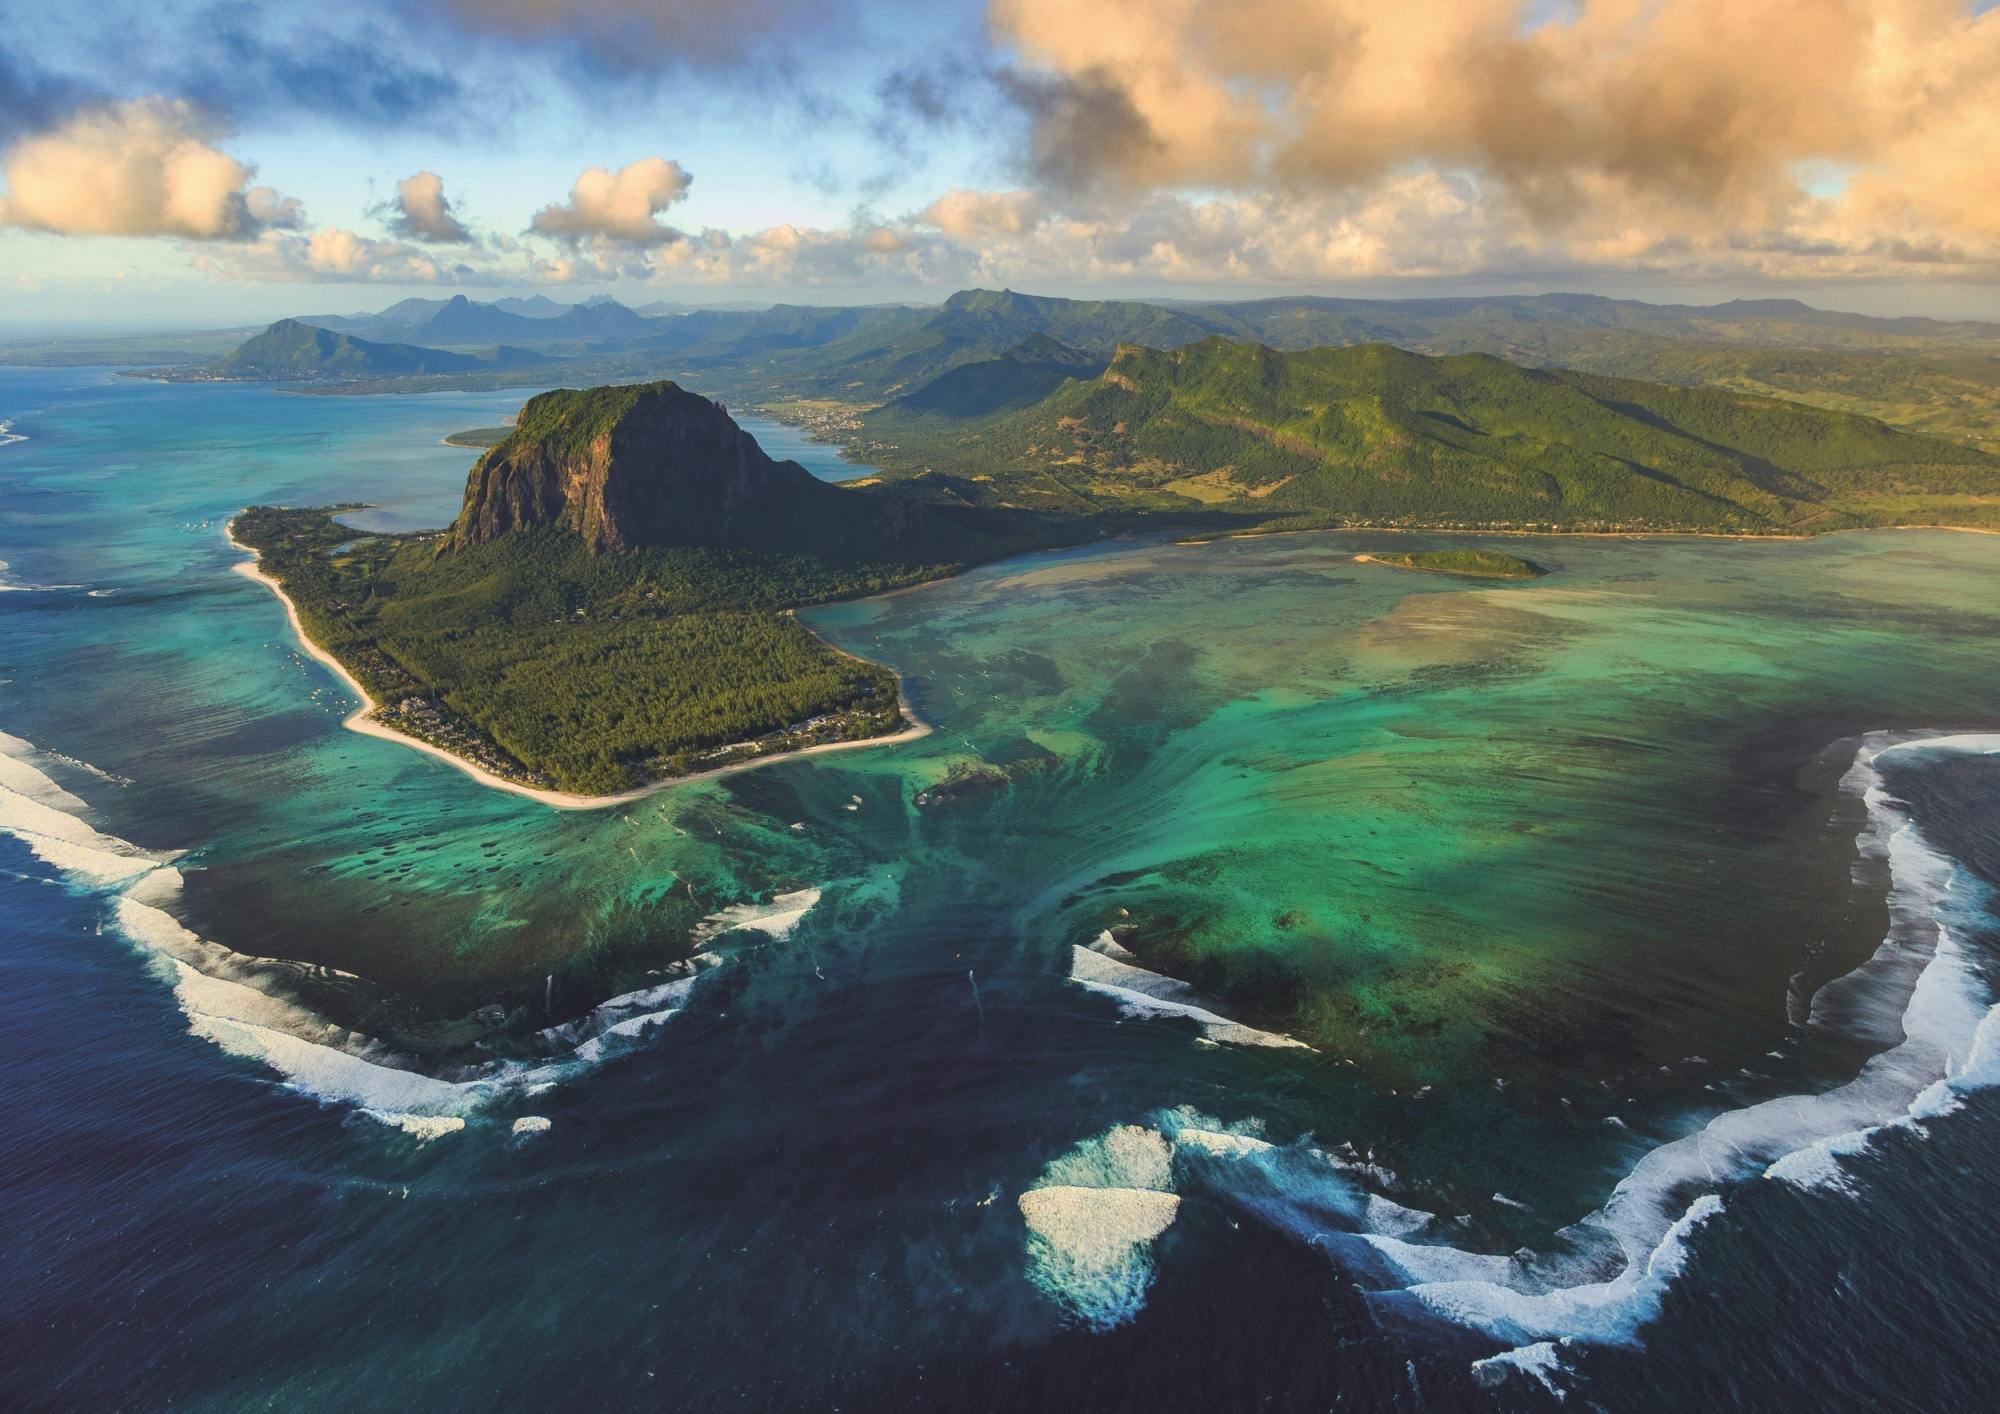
column 194, row 161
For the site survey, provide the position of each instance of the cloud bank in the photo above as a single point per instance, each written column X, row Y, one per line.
column 1618, row 126
column 1282, row 142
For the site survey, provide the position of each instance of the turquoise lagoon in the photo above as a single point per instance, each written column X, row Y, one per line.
column 1545, row 919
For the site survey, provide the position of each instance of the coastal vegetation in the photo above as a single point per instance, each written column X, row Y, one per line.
column 549, row 666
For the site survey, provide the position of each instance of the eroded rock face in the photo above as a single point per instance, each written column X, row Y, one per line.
column 632, row 468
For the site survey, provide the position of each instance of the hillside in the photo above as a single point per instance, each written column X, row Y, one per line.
column 973, row 326
column 289, row 350
column 1378, row 435
column 1024, row 375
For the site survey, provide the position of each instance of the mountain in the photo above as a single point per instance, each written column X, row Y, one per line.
column 1372, row 433
column 601, row 319
column 292, row 350
column 1025, row 374
column 532, row 307
column 709, row 336
column 972, row 326
column 462, row 321
column 642, row 467
column 1549, row 323
column 608, row 608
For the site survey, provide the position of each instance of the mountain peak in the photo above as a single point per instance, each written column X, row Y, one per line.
column 634, row 467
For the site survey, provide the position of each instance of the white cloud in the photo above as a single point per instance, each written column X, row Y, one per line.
column 421, row 212
column 1620, row 129
column 976, row 215
column 620, row 207
column 148, row 167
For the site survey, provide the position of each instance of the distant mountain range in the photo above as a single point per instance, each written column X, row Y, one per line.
column 1936, row 376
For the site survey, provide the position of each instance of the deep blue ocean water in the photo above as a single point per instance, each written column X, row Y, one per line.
column 800, row 1190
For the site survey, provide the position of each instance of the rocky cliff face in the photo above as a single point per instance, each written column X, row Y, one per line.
column 630, row 468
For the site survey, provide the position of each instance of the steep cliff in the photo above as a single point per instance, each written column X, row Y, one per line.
column 644, row 466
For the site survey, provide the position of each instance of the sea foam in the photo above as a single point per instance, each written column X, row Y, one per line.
column 1142, row 993
column 217, row 989
column 1919, row 994
column 1946, row 1040
column 1092, row 1217
column 775, row 919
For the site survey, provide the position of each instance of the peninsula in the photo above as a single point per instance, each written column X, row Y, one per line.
column 610, row 610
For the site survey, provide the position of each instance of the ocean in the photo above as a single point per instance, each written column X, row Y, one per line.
column 1592, row 981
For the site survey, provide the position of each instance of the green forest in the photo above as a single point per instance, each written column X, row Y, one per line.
column 588, row 673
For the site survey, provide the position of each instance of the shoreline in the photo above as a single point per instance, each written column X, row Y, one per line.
column 1783, row 538
column 362, row 720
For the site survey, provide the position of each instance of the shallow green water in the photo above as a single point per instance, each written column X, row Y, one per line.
column 1516, row 860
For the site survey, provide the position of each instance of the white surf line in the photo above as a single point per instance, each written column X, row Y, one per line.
column 1142, row 993
column 14, row 586
column 775, row 919
column 363, row 719
column 1947, row 1045
column 215, row 988
column 1092, row 1217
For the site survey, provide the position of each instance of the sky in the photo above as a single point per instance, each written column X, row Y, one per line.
column 181, row 162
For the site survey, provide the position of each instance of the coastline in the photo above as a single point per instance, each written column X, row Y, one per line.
column 362, row 719
column 1786, row 537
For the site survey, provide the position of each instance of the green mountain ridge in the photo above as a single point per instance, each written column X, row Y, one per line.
column 1375, row 434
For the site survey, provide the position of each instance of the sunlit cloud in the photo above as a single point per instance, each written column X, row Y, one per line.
column 149, row 167
column 421, row 212
column 622, row 207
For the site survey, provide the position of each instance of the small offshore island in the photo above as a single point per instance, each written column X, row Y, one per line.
column 1466, row 564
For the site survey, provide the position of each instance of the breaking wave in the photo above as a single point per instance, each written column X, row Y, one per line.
column 1920, row 995
column 215, row 988
column 11, row 585
column 1109, row 969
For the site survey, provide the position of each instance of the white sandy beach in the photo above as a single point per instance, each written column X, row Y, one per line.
column 362, row 720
